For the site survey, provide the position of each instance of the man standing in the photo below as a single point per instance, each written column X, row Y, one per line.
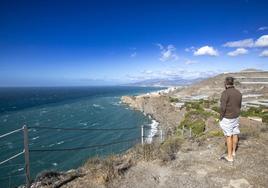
column 231, row 100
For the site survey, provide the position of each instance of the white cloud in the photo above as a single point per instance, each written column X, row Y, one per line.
column 134, row 54
column 240, row 43
column 264, row 53
column 238, row 51
column 147, row 72
column 263, row 28
column 189, row 61
column 171, row 74
column 206, row 50
column 168, row 53
column 262, row 41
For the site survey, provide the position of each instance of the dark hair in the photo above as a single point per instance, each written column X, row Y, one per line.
column 229, row 81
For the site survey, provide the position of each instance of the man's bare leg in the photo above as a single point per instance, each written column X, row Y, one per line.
column 235, row 141
column 229, row 142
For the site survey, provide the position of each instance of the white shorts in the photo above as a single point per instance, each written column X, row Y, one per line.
column 230, row 126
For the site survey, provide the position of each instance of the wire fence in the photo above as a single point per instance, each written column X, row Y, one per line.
column 26, row 151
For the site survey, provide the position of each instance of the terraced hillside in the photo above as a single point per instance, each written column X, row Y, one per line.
column 252, row 83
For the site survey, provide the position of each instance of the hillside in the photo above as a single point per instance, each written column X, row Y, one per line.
column 250, row 83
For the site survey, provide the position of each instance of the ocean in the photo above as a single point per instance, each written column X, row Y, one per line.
column 65, row 107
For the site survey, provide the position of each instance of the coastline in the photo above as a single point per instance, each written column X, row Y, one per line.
column 157, row 106
column 74, row 173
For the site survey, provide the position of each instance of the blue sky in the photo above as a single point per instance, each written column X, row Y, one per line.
column 53, row 43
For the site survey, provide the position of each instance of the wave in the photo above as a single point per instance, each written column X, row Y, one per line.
column 94, row 124
column 61, row 142
column 98, row 106
column 50, row 145
column 152, row 132
column 20, row 169
column 116, row 103
column 35, row 138
column 43, row 112
column 83, row 123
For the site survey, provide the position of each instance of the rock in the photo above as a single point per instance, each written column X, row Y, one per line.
column 55, row 179
column 238, row 183
column 124, row 166
column 158, row 107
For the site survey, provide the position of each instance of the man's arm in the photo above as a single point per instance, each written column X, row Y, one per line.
column 223, row 104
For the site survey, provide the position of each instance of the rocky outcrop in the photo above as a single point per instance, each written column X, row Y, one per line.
column 158, row 107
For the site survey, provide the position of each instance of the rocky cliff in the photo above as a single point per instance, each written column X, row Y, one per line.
column 158, row 107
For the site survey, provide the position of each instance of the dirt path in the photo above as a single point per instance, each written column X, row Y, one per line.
column 199, row 166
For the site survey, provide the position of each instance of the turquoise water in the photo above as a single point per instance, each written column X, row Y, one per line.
column 76, row 107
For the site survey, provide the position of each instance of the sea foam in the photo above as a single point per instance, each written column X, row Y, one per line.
column 152, row 132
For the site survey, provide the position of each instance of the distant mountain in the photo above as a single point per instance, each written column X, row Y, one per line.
column 251, row 70
column 166, row 82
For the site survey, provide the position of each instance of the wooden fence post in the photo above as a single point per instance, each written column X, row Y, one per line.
column 26, row 156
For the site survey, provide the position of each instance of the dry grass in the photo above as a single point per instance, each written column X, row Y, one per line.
column 247, row 132
column 104, row 170
column 215, row 133
column 165, row 151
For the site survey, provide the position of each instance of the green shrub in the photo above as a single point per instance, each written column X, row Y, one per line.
column 206, row 103
column 215, row 134
column 195, row 119
column 197, row 114
column 198, row 127
column 252, row 111
column 172, row 99
column 216, row 109
column 200, row 104
column 193, row 105
column 265, row 118
column 259, row 112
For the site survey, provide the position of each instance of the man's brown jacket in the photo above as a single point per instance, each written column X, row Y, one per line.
column 231, row 100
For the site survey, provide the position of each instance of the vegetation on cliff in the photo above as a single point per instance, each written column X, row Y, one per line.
column 261, row 112
column 196, row 116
